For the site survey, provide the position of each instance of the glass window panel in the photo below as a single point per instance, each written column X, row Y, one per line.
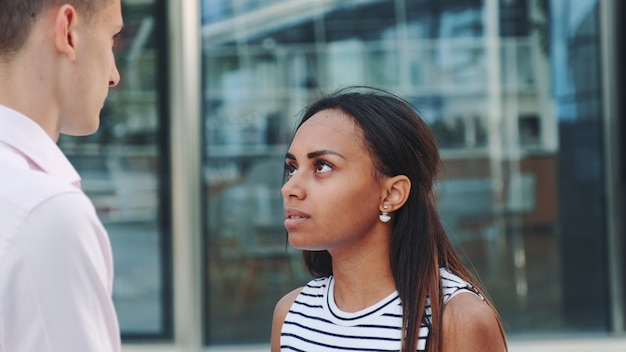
column 302, row 70
column 518, row 68
column 517, row 114
column 216, row 10
column 514, row 18
column 273, row 36
column 382, row 67
column 124, row 173
column 580, row 135
column 366, row 20
column 461, row 63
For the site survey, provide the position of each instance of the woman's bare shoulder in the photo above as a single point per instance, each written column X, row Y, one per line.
column 471, row 324
column 283, row 305
column 280, row 312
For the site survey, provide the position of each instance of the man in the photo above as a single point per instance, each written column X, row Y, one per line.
column 56, row 270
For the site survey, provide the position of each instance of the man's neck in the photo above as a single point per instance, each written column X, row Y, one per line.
column 24, row 88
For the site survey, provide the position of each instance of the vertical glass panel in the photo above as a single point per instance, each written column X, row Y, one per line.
column 123, row 171
column 511, row 90
column 578, row 98
column 246, row 115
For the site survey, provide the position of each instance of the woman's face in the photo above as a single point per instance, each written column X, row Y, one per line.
column 332, row 197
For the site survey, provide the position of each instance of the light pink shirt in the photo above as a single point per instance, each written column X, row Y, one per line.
column 56, row 266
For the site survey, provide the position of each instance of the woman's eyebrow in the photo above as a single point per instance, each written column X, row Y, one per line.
column 315, row 154
column 319, row 153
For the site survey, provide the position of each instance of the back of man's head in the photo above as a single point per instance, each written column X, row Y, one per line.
column 19, row 16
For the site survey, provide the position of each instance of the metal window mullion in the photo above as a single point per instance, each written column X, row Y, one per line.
column 185, row 115
column 614, row 189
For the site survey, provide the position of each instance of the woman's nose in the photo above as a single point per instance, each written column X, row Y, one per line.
column 292, row 188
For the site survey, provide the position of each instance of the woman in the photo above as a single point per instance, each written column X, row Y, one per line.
column 359, row 203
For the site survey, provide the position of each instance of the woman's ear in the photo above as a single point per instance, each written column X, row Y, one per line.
column 65, row 36
column 397, row 190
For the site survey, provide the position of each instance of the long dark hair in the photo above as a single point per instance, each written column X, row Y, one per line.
column 400, row 143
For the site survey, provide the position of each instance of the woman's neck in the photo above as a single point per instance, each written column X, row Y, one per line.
column 363, row 279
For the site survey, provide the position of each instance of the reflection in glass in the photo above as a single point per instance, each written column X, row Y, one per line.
column 511, row 90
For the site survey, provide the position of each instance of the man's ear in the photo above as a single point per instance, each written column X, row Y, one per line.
column 397, row 190
column 65, row 36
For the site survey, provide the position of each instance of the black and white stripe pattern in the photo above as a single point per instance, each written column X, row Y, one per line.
column 315, row 324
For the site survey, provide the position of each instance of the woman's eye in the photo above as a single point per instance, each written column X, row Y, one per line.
column 322, row 166
column 290, row 169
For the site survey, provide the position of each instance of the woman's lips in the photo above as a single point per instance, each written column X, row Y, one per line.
column 294, row 217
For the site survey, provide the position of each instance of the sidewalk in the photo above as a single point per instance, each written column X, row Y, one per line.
column 569, row 344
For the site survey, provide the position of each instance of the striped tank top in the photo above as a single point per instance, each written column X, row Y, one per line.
column 315, row 324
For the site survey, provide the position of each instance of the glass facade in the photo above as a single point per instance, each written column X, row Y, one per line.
column 513, row 89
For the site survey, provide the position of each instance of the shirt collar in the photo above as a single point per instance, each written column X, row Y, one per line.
column 33, row 143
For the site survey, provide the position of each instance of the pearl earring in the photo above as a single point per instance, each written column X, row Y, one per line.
column 385, row 217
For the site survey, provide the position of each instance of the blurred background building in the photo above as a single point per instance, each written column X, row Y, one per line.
column 524, row 96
